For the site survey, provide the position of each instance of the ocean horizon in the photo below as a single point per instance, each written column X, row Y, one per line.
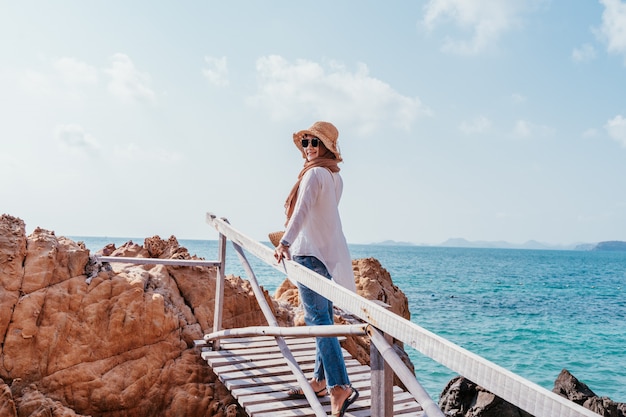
column 533, row 312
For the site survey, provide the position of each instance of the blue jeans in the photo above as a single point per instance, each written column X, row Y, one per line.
column 318, row 311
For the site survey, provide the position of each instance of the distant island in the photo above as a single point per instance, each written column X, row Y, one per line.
column 500, row 244
column 613, row 245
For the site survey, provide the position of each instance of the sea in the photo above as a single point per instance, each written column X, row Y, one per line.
column 533, row 312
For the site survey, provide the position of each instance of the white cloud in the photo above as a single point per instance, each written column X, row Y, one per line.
column 217, row 71
column 288, row 90
column 478, row 125
column 526, row 129
column 127, row 83
column 74, row 71
column 616, row 128
column 585, row 53
column 73, row 138
column 614, row 25
column 485, row 20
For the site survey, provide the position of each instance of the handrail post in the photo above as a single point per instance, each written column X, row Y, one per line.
column 382, row 379
column 219, row 289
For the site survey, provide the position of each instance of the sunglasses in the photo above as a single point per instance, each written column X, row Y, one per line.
column 314, row 142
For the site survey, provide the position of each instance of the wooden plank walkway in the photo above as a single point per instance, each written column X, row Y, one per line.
column 257, row 375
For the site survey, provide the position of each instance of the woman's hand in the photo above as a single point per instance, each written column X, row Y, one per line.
column 281, row 252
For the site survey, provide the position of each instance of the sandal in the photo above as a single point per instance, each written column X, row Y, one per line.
column 347, row 403
column 298, row 394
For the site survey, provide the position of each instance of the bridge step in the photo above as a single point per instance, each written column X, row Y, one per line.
column 255, row 372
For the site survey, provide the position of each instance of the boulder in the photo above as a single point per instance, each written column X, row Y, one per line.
column 463, row 398
column 566, row 385
column 82, row 338
column 7, row 405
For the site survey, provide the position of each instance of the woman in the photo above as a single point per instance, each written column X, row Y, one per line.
column 314, row 238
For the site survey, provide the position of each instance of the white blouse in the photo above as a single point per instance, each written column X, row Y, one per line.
column 315, row 227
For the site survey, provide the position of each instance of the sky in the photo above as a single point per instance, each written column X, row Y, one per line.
column 478, row 119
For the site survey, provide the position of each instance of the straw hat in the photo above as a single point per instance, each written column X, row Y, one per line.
column 324, row 131
column 275, row 237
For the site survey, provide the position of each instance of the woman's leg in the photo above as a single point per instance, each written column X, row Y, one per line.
column 318, row 311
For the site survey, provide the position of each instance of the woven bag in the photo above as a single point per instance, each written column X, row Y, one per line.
column 275, row 237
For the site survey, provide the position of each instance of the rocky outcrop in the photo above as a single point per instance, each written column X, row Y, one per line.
column 374, row 283
column 566, row 385
column 86, row 339
column 463, row 398
column 82, row 338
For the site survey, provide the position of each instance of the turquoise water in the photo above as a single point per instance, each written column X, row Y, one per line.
column 532, row 312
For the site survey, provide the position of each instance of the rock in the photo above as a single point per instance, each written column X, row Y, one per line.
column 463, row 398
column 7, row 405
column 12, row 255
column 374, row 283
column 566, row 385
column 33, row 403
column 121, row 344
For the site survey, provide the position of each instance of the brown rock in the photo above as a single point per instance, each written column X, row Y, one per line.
column 117, row 344
column 7, row 405
column 12, row 252
column 33, row 403
column 374, row 283
column 12, row 255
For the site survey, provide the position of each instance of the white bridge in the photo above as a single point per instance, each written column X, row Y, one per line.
column 257, row 364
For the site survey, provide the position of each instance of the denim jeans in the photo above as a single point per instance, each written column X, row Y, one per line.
column 318, row 311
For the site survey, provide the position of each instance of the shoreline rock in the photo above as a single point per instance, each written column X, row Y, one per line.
column 463, row 398
column 83, row 339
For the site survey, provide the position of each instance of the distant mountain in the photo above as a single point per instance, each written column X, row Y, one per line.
column 613, row 245
column 459, row 242
column 500, row 244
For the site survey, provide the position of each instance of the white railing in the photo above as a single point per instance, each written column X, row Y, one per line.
column 518, row 391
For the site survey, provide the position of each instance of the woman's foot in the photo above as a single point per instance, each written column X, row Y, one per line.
column 318, row 386
column 341, row 398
